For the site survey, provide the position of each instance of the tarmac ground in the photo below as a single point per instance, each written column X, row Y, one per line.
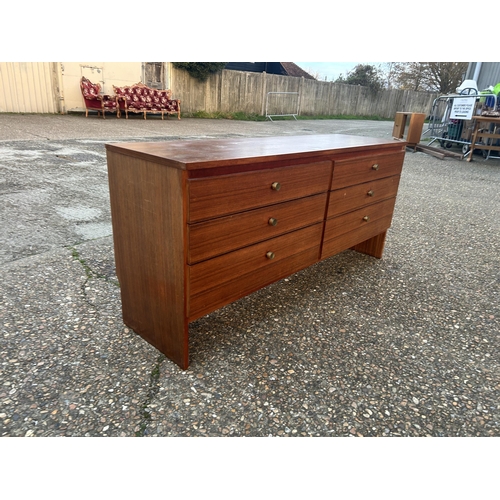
column 407, row 345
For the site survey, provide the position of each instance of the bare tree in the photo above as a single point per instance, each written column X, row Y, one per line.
column 410, row 76
column 315, row 74
column 445, row 77
column 442, row 77
column 389, row 73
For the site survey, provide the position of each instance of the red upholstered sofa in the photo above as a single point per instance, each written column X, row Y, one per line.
column 93, row 99
column 140, row 98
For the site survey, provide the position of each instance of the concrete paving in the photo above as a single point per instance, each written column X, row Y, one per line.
column 403, row 346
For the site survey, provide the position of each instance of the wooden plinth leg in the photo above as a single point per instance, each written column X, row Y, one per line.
column 374, row 246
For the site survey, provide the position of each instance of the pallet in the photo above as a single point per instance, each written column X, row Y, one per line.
column 438, row 152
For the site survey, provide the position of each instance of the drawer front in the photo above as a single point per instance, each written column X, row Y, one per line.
column 348, row 230
column 361, row 195
column 221, row 280
column 356, row 171
column 224, row 234
column 348, row 240
column 217, row 196
column 358, row 218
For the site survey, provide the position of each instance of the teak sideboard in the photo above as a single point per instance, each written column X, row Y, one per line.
column 198, row 224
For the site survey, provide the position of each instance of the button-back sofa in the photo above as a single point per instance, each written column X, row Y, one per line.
column 140, row 98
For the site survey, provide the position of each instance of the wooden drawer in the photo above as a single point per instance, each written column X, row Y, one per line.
column 348, row 230
column 356, row 171
column 224, row 234
column 217, row 196
column 219, row 281
column 360, row 195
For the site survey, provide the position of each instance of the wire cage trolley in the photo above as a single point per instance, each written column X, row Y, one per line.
column 451, row 121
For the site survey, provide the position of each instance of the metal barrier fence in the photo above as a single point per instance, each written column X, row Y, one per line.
column 282, row 104
column 451, row 120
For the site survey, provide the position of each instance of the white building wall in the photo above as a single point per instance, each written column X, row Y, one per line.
column 106, row 74
column 54, row 87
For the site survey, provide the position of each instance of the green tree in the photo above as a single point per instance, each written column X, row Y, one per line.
column 200, row 70
column 365, row 75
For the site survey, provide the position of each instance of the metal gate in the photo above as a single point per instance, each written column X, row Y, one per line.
column 282, row 104
column 451, row 120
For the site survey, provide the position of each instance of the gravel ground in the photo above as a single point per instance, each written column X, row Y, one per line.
column 354, row 346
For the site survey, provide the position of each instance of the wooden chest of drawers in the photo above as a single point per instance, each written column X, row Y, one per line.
column 200, row 224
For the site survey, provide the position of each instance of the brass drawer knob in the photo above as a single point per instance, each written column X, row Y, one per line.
column 366, row 218
column 370, row 193
column 276, row 186
column 270, row 255
column 272, row 221
column 375, row 166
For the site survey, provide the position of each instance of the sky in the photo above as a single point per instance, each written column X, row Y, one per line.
column 352, row 32
column 330, row 70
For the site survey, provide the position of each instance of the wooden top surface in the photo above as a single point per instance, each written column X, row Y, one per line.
column 197, row 154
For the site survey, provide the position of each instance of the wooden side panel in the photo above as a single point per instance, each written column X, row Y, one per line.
column 218, row 236
column 218, row 196
column 148, row 218
column 398, row 129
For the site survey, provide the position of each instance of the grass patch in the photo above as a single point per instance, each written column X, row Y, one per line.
column 259, row 118
column 76, row 256
column 345, row 117
column 218, row 115
column 91, row 274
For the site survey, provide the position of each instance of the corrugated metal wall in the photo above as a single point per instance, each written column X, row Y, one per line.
column 489, row 74
column 29, row 87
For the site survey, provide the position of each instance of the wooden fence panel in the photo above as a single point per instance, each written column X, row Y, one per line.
column 242, row 91
column 233, row 91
